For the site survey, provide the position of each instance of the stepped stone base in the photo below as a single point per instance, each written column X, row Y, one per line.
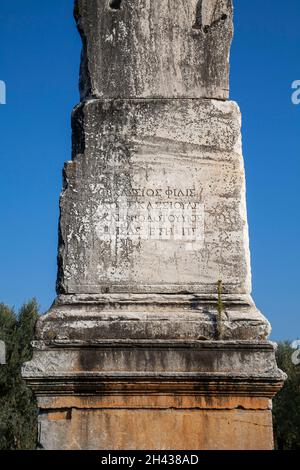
column 106, row 391
column 95, row 318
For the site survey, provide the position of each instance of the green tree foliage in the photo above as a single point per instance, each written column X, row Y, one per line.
column 18, row 413
column 286, row 405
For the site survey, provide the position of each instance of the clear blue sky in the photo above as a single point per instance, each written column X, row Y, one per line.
column 39, row 60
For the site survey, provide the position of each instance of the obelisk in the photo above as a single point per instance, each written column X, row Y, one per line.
column 154, row 341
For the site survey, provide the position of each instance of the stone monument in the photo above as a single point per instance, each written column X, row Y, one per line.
column 154, row 341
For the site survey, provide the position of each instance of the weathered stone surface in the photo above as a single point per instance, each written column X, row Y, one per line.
column 154, row 340
column 94, row 318
column 195, row 388
column 154, row 199
column 116, row 359
column 155, row 48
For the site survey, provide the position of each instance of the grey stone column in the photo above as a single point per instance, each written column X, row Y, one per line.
column 154, row 327
column 2, row 353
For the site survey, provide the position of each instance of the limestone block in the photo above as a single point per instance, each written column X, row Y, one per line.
column 158, row 395
column 96, row 318
column 154, row 199
column 155, row 429
column 155, row 48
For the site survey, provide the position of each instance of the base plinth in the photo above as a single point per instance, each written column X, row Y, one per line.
column 164, row 422
column 158, row 393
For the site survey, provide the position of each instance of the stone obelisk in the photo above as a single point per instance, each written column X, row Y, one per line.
column 154, row 341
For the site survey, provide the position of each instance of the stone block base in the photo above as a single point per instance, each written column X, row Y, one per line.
column 157, row 423
column 157, row 394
